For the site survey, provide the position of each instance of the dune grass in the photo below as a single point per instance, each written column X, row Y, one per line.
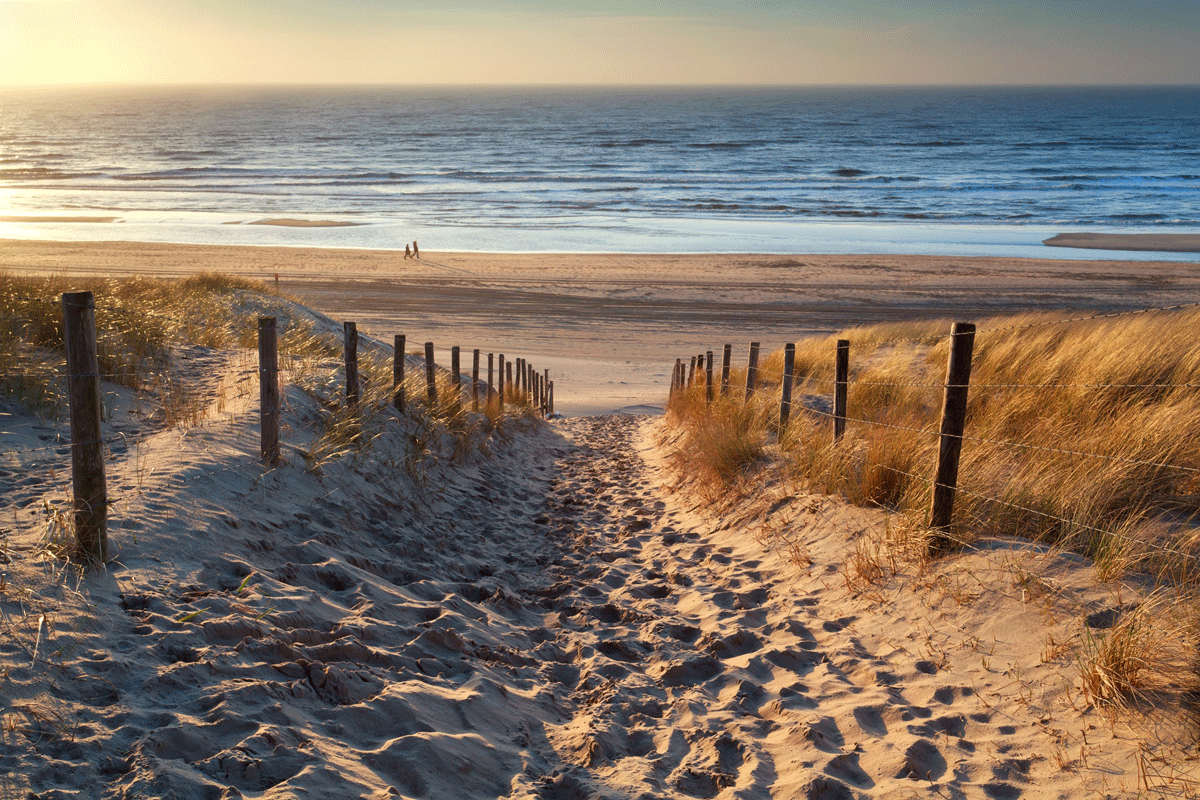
column 137, row 322
column 1084, row 435
column 141, row 322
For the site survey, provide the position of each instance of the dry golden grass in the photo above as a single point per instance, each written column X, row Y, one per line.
column 1149, row 650
column 1081, row 434
column 137, row 322
column 723, row 441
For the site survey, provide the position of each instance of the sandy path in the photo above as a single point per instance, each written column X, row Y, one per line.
column 710, row 664
column 550, row 623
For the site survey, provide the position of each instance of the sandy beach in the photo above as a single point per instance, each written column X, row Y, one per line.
column 609, row 327
column 559, row 616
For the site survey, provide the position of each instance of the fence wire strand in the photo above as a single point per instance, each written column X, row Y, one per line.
column 1063, row 520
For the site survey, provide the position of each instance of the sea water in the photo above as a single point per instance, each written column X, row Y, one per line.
column 969, row 171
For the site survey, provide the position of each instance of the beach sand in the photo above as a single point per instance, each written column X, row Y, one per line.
column 562, row 618
column 609, row 327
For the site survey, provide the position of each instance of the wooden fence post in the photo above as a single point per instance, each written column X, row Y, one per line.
column 691, row 371
column 87, row 449
column 785, row 403
column 350, row 346
column 550, row 397
column 546, row 393
column 475, row 380
column 500, row 382
column 508, row 381
column 268, row 390
column 456, row 377
column 430, row 378
column 708, row 377
column 954, row 415
column 752, row 370
column 725, row 359
column 840, row 382
column 491, row 386
column 398, row 373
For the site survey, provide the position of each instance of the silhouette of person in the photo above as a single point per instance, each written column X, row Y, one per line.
column 416, row 252
column 407, row 251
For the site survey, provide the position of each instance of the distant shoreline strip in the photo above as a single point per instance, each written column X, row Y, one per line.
column 284, row 222
column 303, row 223
column 1156, row 242
column 57, row 219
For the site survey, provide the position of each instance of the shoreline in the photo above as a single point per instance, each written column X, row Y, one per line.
column 602, row 235
column 1135, row 242
column 610, row 326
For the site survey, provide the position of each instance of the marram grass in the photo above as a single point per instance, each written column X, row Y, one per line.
column 1084, row 435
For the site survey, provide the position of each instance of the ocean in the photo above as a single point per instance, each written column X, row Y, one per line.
column 971, row 171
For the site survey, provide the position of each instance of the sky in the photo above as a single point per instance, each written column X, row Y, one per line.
column 757, row 42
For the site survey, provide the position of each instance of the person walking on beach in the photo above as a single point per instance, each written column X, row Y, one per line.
column 416, row 252
column 407, row 251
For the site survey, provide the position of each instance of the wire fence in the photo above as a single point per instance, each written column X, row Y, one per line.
column 165, row 390
column 692, row 374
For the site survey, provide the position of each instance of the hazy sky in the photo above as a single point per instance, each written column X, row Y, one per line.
column 599, row 41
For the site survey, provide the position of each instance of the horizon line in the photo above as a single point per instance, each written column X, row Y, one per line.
column 535, row 85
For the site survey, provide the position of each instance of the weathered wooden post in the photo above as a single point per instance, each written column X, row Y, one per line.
column 691, row 371
column 87, row 454
column 752, row 370
column 491, row 386
column 546, row 392
column 841, row 378
column 350, row 346
column 551, row 398
column 508, row 382
column 430, row 377
column 785, row 402
column 708, row 377
column 398, row 372
column 268, row 390
column 500, row 382
column 725, row 359
column 954, row 415
column 455, row 378
column 475, row 380
column 520, row 378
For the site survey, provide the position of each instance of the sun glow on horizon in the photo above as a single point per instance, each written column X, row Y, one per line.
column 591, row 42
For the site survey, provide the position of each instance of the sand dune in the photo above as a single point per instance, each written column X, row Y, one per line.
column 560, row 618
